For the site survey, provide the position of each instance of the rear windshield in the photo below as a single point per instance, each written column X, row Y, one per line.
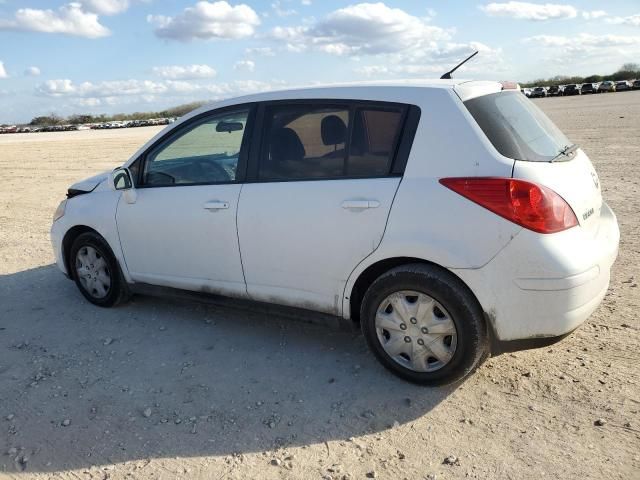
column 517, row 128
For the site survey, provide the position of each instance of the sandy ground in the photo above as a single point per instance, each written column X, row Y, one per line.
column 168, row 389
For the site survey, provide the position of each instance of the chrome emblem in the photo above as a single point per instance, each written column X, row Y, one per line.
column 594, row 177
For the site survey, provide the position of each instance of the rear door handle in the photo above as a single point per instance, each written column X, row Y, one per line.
column 216, row 205
column 360, row 204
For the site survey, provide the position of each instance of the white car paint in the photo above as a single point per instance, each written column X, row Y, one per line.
column 293, row 243
column 303, row 255
column 96, row 211
column 171, row 237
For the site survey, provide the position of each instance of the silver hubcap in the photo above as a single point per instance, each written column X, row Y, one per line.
column 93, row 272
column 416, row 331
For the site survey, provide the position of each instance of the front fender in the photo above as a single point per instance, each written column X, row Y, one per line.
column 96, row 210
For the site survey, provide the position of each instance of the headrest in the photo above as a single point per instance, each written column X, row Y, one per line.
column 286, row 145
column 334, row 131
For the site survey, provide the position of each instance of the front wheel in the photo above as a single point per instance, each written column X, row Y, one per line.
column 96, row 272
column 424, row 325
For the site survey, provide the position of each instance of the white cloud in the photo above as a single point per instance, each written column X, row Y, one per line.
column 246, row 65
column 306, row 3
column 530, row 11
column 66, row 87
column 89, row 102
column 186, row 72
column 110, row 91
column 32, row 72
column 402, row 44
column 282, row 11
column 207, row 20
column 362, row 29
column 632, row 20
column 373, row 70
column 586, row 53
column 594, row 14
column 69, row 19
column 106, row 7
column 583, row 40
column 433, row 62
column 265, row 51
column 3, row 72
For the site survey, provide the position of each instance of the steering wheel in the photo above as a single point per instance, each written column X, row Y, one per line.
column 212, row 171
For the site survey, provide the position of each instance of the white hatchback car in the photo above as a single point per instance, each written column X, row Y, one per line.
column 450, row 219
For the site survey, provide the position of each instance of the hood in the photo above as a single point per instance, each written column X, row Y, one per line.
column 87, row 185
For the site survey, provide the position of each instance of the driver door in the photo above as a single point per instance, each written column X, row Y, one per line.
column 181, row 229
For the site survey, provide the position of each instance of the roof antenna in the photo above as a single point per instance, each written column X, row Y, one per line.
column 447, row 76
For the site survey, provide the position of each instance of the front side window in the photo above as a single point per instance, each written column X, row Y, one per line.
column 207, row 152
column 329, row 141
column 517, row 128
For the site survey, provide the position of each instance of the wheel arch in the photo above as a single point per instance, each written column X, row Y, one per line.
column 68, row 239
column 378, row 268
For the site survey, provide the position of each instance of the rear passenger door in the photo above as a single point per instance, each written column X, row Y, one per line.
column 319, row 193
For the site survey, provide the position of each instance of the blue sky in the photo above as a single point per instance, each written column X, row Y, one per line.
column 136, row 55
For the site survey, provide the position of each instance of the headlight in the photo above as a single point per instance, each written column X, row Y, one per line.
column 60, row 210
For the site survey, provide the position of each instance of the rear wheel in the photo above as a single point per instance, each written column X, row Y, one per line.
column 96, row 271
column 424, row 325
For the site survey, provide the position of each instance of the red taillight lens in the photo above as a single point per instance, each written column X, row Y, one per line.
column 532, row 206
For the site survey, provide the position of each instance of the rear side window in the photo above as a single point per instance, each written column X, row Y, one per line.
column 328, row 141
column 375, row 134
column 517, row 128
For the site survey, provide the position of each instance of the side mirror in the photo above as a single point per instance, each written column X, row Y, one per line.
column 121, row 180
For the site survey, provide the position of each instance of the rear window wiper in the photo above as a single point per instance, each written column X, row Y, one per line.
column 566, row 151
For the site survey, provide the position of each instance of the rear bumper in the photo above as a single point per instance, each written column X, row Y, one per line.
column 542, row 286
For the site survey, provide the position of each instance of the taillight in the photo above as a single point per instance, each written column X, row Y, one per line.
column 532, row 206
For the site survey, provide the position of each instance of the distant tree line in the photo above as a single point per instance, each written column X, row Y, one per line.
column 628, row 71
column 78, row 119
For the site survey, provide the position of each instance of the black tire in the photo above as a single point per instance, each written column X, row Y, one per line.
column 117, row 291
column 472, row 337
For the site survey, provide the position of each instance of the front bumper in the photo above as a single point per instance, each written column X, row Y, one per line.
column 542, row 286
column 57, row 234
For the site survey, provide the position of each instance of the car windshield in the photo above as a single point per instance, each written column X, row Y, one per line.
column 517, row 128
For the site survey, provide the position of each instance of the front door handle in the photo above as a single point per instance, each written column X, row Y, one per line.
column 360, row 204
column 216, row 205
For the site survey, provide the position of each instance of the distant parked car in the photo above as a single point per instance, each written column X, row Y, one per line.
column 589, row 88
column 623, row 85
column 527, row 92
column 607, row 86
column 636, row 85
column 572, row 89
column 539, row 92
column 554, row 90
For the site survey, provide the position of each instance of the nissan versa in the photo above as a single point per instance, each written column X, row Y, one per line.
column 449, row 219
